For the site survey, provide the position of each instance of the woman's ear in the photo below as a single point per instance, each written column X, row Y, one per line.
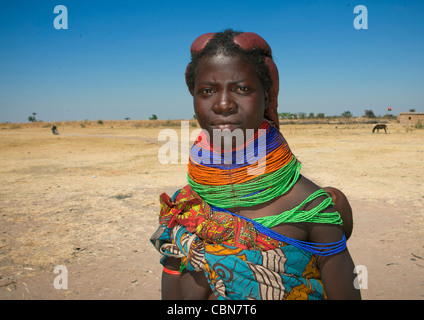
column 191, row 90
column 266, row 100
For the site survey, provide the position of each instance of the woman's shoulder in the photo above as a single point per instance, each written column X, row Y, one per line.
column 340, row 204
column 301, row 190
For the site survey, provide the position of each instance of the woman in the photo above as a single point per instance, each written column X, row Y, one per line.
column 237, row 233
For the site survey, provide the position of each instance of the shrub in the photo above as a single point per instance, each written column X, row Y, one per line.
column 347, row 114
column 369, row 114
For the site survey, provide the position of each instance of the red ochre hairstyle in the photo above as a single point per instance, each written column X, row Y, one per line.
column 246, row 44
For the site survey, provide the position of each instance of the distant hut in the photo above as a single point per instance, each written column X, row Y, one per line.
column 410, row 117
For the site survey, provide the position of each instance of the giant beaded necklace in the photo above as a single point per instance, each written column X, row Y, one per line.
column 225, row 186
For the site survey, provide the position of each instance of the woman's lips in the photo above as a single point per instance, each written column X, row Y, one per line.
column 225, row 125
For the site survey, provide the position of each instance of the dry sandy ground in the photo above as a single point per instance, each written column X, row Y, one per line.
column 88, row 200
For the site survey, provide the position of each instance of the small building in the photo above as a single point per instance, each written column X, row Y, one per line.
column 410, row 117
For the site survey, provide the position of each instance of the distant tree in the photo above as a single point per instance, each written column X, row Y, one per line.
column 311, row 115
column 320, row 115
column 369, row 114
column 127, row 118
column 411, row 110
column 99, row 121
column 153, row 117
column 283, row 115
column 347, row 114
column 301, row 115
column 287, row 115
column 32, row 118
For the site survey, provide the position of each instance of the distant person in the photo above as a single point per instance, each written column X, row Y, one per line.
column 54, row 130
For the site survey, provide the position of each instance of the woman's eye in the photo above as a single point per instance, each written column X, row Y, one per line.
column 206, row 91
column 242, row 89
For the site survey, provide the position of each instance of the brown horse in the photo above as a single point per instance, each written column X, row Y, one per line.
column 380, row 126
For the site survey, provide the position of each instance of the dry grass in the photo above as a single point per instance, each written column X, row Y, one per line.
column 91, row 193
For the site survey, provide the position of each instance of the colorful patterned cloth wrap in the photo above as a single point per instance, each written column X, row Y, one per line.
column 238, row 261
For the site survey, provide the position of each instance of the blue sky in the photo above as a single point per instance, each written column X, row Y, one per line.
column 121, row 59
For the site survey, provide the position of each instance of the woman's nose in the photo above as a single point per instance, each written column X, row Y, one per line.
column 224, row 104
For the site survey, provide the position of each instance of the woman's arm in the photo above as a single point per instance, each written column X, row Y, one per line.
column 337, row 271
column 171, row 286
column 184, row 286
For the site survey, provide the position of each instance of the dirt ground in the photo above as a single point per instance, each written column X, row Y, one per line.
column 87, row 200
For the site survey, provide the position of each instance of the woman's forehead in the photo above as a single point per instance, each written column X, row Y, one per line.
column 226, row 66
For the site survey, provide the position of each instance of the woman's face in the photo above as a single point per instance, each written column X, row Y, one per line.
column 228, row 94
